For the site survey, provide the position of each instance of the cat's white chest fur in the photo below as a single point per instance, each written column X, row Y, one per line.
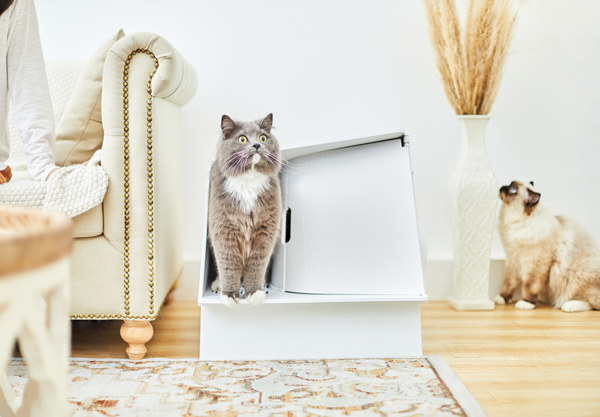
column 246, row 188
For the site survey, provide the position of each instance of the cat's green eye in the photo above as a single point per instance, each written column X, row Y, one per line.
column 243, row 139
column 262, row 138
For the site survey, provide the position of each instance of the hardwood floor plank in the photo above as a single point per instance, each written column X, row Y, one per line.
column 540, row 362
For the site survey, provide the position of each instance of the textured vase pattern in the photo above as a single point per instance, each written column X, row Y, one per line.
column 474, row 199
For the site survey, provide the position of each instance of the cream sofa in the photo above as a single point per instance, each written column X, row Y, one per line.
column 126, row 98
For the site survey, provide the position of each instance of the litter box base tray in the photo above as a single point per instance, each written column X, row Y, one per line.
column 363, row 328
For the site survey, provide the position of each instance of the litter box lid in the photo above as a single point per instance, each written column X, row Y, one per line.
column 350, row 223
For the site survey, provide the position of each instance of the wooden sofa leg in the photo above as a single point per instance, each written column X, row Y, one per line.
column 136, row 334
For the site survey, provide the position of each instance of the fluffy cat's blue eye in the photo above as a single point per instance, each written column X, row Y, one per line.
column 512, row 190
column 262, row 138
column 243, row 139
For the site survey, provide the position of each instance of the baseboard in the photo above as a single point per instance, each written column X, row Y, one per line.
column 438, row 279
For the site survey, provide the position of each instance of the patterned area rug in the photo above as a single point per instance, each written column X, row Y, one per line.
column 342, row 387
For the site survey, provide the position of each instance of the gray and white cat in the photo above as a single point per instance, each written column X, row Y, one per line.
column 244, row 209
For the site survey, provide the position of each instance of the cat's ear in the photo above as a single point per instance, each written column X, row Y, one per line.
column 228, row 126
column 531, row 182
column 533, row 199
column 267, row 123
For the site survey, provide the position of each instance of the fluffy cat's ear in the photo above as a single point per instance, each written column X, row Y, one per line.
column 267, row 123
column 532, row 199
column 228, row 126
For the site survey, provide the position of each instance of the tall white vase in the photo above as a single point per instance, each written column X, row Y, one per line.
column 474, row 198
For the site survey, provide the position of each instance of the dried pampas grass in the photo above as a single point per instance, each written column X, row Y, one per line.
column 470, row 59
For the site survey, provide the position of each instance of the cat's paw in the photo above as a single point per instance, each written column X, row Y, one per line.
column 524, row 305
column 256, row 297
column 498, row 299
column 216, row 285
column 573, row 306
column 228, row 301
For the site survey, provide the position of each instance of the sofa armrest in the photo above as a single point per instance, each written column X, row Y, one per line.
column 145, row 81
column 175, row 79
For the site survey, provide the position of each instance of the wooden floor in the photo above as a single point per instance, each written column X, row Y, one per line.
column 515, row 363
column 541, row 362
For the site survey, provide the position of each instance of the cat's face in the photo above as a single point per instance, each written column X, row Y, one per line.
column 519, row 197
column 248, row 145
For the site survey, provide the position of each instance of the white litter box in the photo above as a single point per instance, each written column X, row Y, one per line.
column 346, row 279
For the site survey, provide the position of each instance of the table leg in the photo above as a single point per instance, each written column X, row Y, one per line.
column 45, row 393
column 10, row 323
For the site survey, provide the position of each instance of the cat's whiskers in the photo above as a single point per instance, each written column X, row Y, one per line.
column 237, row 161
column 234, row 155
column 238, row 166
column 242, row 162
column 288, row 167
column 232, row 159
column 270, row 159
column 274, row 160
column 284, row 165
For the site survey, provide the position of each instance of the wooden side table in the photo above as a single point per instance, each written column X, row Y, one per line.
column 34, row 309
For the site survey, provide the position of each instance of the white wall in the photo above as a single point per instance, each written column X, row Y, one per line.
column 329, row 69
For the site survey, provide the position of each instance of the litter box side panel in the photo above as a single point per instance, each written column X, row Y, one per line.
column 353, row 222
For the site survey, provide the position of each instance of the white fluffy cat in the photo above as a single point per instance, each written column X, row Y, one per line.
column 551, row 258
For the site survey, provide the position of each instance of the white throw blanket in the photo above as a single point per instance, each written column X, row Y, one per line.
column 71, row 190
